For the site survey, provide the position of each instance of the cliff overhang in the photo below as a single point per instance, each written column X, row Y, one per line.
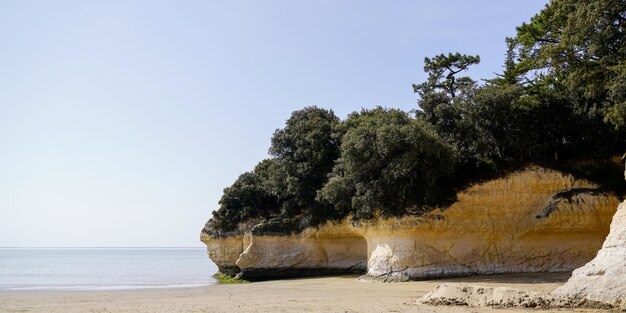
column 532, row 220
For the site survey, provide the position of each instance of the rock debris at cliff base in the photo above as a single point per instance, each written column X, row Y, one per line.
column 505, row 297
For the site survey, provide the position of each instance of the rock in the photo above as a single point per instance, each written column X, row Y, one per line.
column 536, row 220
column 224, row 252
column 601, row 283
column 502, row 297
column 604, row 278
column 469, row 295
column 533, row 220
column 327, row 250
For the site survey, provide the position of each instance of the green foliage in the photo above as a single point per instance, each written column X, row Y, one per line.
column 307, row 149
column 561, row 98
column 252, row 195
column 513, row 126
column 511, row 74
column 441, row 95
column 285, row 186
column 271, row 177
column 279, row 226
column 225, row 279
column 488, row 127
column 505, row 123
column 441, row 71
column 338, row 191
column 581, row 45
column 616, row 111
column 389, row 162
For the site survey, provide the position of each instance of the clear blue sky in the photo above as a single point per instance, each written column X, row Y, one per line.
column 122, row 121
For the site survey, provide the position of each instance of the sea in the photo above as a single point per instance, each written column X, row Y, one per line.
column 104, row 268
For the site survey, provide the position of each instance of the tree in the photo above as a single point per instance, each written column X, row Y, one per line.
column 389, row 162
column 511, row 74
column 253, row 195
column 444, row 98
column 580, row 45
column 442, row 93
column 307, row 149
column 616, row 111
column 441, row 71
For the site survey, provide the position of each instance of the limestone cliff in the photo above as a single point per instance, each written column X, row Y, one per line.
column 223, row 252
column 604, row 278
column 329, row 249
column 529, row 221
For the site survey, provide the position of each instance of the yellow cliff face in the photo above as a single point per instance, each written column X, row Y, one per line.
column 603, row 278
column 223, row 252
column 529, row 221
column 512, row 224
column 309, row 254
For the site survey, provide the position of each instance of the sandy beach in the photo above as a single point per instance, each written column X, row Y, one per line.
column 326, row 294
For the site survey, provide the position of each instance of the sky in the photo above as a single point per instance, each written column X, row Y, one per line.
column 122, row 121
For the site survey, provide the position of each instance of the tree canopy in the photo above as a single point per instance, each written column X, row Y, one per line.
column 306, row 149
column 441, row 71
column 559, row 101
column 389, row 162
column 580, row 45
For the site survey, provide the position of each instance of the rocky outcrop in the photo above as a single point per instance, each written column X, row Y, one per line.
column 224, row 252
column 503, row 297
column 329, row 249
column 529, row 221
column 536, row 220
column 604, row 278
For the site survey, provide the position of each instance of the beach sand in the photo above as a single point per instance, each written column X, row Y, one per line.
column 325, row 294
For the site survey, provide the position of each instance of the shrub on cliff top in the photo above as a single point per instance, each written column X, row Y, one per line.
column 285, row 186
column 253, row 195
column 306, row 148
column 389, row 162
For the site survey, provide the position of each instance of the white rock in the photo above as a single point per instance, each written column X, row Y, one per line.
column 604, row 278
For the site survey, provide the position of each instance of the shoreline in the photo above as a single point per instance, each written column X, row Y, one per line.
column 100, row 288
column 315, row 294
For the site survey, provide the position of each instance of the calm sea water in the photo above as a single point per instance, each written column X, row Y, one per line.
column 103, row 268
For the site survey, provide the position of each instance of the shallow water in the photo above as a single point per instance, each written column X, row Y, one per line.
column 103, row 268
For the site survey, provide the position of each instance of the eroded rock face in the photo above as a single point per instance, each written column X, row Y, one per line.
column 604, row 278
column 224, row 252
column 475, row 296
column 329, row 249
column 534, row 220
column 503, row 297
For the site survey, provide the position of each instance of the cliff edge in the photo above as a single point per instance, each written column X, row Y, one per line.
column 533, row 220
